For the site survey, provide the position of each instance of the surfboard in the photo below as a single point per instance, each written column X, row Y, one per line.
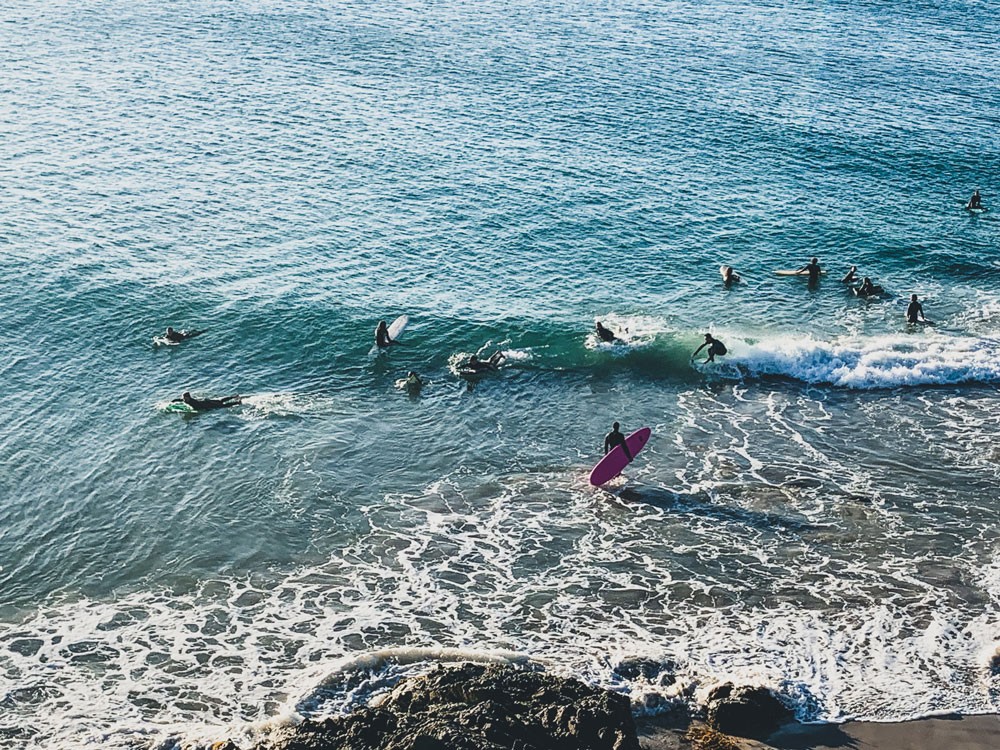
column 179, row 406
column 397, row 326
column 615, row 462
column 796, row 273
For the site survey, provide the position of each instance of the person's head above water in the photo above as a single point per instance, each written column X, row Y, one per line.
column 381, row 324
column 814, row 260
column 169, row 330
column 615, row 427
column 708, row 337
column 186, row 396
column 867, row 280
column 913, row 298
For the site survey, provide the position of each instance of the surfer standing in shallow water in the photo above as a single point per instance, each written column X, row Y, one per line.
column 813, row 269
column 915, row 309
column 715, row 347
column 614, row 439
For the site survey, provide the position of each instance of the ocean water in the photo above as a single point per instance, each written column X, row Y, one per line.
column 817, row 513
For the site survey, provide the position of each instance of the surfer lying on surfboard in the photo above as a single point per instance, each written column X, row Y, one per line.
column 869, row 289
column 176, row 337
column 490, row 363
column 206, row 404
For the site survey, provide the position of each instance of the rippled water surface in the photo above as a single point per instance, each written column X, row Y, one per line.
column 817, row 512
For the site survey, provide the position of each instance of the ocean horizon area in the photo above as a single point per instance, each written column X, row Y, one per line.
column 815, row 512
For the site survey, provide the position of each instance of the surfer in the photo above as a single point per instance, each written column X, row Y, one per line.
column 614, row 439
column 715, row 347
column 868, row 289
column 413, row 382
column 606, row 335
column 731, row 277
column 915, row 309
column 490, row 363
column 382, row 339
column 851, row 276
column 205, row 404
column 975, row 202
column 813, row 269
column 176, row 337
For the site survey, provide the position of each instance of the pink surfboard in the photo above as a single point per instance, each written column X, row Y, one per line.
column 615, row 462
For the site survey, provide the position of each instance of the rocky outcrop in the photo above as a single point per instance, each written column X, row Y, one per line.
column 753, row 712
column 476, row 707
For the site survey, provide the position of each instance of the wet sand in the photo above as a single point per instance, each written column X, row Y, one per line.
column 944, row 733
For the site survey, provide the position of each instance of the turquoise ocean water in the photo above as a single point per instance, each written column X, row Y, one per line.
column 818, row 514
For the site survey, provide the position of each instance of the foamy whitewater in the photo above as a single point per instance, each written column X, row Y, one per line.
column 815, row 512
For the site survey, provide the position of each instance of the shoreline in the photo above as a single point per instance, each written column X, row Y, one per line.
column 953, row 732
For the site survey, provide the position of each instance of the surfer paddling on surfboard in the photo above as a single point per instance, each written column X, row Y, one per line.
column 205, row 404
column 715, row 347
column 613, row 439
column 176, row 337
column 490, row 363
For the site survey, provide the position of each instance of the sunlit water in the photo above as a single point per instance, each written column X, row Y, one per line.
column 816, row 513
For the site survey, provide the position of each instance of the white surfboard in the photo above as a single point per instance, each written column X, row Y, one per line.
column 395, row 329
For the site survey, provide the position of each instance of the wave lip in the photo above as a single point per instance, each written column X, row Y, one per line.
column 874, row 362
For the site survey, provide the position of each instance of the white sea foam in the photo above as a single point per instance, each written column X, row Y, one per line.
column 887, row 361
column 632, row 331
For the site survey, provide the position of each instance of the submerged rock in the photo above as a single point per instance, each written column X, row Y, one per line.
column 476, row 707
column 753, row 712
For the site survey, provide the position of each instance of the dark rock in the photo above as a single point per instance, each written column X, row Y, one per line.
column 753, row 712
column 474, row 707
column 635, row 667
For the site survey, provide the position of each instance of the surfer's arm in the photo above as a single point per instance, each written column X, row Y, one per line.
column 698, row 350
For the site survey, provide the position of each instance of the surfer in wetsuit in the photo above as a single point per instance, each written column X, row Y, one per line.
column 606, row 335
column 615, row 438
column 413, row 382
column 731, row 276
column 205, row 404
column 813, row 269
column 175, row 337
column 382, row 339
column 868, row 289
column 715, row 347
column 975, row 202
column 851, row 276
column 490, row 363
column 913, row 310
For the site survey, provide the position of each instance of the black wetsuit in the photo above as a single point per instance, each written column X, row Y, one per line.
column 382, row 339
column 605, row 334
column 613, row 439
column 912, row 310
column 206, row 404
column 813, row 269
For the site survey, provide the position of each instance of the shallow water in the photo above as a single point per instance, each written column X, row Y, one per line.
column 817, row 512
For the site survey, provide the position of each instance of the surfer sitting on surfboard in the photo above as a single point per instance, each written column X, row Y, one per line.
column 382, row 339
column 615, row 438
column 715, row 347
column 175, row 337
column 204, row 404
column 913, row 310
column 605, row 335
column 490, row 363
column 975, row 202
column 730, row 276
